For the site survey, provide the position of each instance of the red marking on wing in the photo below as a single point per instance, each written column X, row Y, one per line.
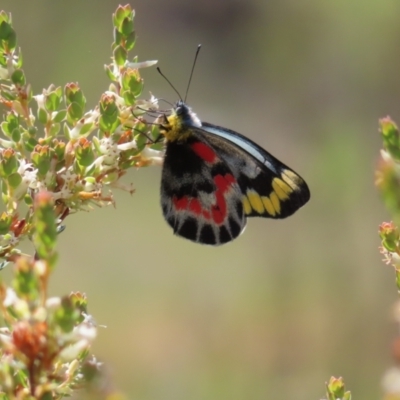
column 205, row 152
column 223, row 183
column 188, row 203
column 195, row 206
column 181, row 204
column 218, row 211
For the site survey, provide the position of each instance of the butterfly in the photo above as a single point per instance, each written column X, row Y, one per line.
column 213, row 178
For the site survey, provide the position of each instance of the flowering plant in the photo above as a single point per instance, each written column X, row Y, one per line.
column 56, row 159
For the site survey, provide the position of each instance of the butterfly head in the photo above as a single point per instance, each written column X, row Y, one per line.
column 176, row 126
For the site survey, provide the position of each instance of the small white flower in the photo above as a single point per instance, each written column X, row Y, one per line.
column 91, row 186
column 64, row 193
column 127, row 146
column 72, row 352
column 86, row 331
column 142, row 64
column 28, row 173
column 154, row 156
column 53, row 303
column 40, row 267
column 8, row 239
column 150, row 104
column 21, row 307
column 391, row 381
column 110, row 151
column 40, row 99
column 11, row 298
column 40, row 314
column 68, row 176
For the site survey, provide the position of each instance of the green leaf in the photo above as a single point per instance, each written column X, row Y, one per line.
column 5, row 128
column 84, row 153
column 67, row 315
column 42, row 115
column 5, row 30
column 5, row 223
column 59, row 116
column 18, row 77
column 126, row 28
column 26, row 281
column 110, row 74
column 120, row 56
column 129, row 98
column 157, row 146
column 16, row 135
column 47, row 396
column 75, row 112
column 30, row 144
column 9, row 163
column 12, row 40
column 74, row 94
column 14, row 180
column 141, row 139
column 391, row 137
column 53, row 101
column 54, row 130
column 59, row 148
column 45, row 234
column 118, row 38
column 130, row 41
column 86, row 128
column 43, row 166
column 122, row 13
column 28, row 200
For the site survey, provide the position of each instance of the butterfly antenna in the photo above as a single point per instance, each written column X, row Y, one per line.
column 191, row 72
column 170, row 84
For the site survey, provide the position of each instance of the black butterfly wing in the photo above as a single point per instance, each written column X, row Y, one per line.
column 200, row 196
column 269, row 188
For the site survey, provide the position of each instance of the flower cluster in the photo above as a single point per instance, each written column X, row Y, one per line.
column 55, row 159
column 45, row 344
column 388, row 181
column 76, row 155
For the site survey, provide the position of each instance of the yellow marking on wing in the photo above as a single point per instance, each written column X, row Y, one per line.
column 255, row 201
column 293, row 180
column 268, row 205
column 281, row 188
column 275, row 202
column 246, row 205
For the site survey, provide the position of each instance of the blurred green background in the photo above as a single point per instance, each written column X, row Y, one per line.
column 277, row 312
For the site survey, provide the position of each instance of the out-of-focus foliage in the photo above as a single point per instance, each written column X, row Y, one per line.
column 291, row 302
column 335, row 390
column 388, row 181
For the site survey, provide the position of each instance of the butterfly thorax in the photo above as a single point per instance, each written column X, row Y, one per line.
column 177, row 126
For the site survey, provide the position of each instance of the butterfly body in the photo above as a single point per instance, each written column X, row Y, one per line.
column 214, row 178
